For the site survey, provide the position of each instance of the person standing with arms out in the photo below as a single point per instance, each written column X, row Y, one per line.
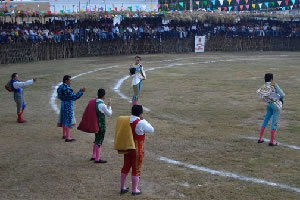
column 134, row 158
column 18, row 89
column 138, row 73
column 66, row 118
column 273, row 95
column 101, row 110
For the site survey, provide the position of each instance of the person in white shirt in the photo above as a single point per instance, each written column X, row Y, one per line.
column 134, row 158
column 18, row 89
column 101, row 110
column 138, row 73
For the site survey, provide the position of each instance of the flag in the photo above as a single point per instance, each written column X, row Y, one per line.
column 286, row 2
column 267, row 4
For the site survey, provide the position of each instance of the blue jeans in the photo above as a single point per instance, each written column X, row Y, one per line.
column 271, row 111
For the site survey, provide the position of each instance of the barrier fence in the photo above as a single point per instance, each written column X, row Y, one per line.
column 27, row 52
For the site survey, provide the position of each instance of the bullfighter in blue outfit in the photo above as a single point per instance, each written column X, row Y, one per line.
column 66, row 117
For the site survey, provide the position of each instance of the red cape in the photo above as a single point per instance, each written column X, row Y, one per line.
column 89, row 121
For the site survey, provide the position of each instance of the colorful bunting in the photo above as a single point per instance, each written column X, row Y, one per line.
column 293, row 1
column 267, row 4
column 286, row 2
column 253, row 5
column 260, row 4
column 181, row 4
column 221, row 2
column 197, row 3
column 279, row 2
column 246, row 1
column 229, row 8
column 241, row 7
column 229, row 1
column 213, row 2
column 247, row 6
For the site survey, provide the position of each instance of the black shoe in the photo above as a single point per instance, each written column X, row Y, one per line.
column 92, row 159
column 63, row 137
column 71, row 140
column 136, row 193
column 123, row 191
column 101, row 161
column 273, row 144
column 260, row 141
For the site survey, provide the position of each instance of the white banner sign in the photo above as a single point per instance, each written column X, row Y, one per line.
column 199, row 44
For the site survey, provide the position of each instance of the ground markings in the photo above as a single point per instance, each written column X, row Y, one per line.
column 229, row 174
column 52, row 101
column 174, row 162
column 281, row 144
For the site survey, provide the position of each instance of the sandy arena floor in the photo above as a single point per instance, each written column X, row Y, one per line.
column 203, row 107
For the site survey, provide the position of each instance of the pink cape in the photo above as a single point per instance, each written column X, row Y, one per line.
column 89, row 121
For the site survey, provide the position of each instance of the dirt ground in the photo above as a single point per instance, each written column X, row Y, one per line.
column 202, row 108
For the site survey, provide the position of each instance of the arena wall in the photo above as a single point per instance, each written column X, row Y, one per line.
column 27, row 52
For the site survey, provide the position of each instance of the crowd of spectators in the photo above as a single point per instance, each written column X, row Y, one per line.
column 76, row 31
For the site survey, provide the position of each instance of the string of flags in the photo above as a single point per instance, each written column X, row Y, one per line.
column 209, row 5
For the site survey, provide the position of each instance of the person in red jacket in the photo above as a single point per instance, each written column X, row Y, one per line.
column 133, row 159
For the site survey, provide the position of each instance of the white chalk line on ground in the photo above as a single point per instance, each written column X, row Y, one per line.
column 121, row 81
column 170, row 161
column 279, row 143
column 229, row 174
column 54, row 93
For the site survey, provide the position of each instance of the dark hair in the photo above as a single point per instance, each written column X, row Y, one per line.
column 138, row 57
column 66, row 78
column 13, row 75
column 268, row 77
column 136, row 110
column 101, row 93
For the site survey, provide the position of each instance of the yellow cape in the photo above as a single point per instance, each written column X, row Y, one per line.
column 123, row 134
